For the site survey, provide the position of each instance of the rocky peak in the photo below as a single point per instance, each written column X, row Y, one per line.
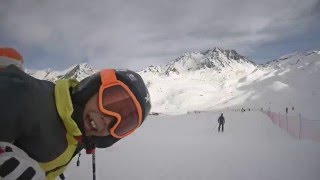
column 78, row 72
column 216, row 58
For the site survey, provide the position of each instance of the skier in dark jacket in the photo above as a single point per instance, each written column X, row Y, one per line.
column 221, row 122
column 44, row 125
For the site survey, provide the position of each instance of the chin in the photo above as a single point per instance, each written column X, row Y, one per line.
column 89, row 133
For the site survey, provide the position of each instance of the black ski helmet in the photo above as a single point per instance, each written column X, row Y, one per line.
column 90, row 86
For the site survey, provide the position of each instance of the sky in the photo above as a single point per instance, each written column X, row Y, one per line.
column 135, row 34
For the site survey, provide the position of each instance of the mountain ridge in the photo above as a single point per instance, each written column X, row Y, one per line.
column 216, row 80
column 216, row 59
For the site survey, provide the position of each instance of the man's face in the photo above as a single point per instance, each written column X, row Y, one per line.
column 95, row 122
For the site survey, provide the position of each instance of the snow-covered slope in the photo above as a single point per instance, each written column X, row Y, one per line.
column 295, row 60
column 188, row 147
column 216, row 59
column 251, row 147
column 79, row 72
column 287, row 82
column 188, row 86
column 196, row 81
column 217, row 78
column 47, row 74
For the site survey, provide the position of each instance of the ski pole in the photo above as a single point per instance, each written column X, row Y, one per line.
column 94, row 165
column 216, row 126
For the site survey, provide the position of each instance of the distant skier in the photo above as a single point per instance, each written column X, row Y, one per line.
column 221, row 122
column 287, row 110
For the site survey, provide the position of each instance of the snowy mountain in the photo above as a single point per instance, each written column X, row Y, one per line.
column 295, row 60
column 79, row 72
column 216, row 59
column 191, row 148
column 218, row 78
column 46, row 74
column 213, row 80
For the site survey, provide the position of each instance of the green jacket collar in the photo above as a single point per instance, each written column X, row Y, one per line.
column 64, row 105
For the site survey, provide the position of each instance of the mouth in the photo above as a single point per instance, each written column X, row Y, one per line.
column 90, row 124
column 93, row 124
column 98, row 125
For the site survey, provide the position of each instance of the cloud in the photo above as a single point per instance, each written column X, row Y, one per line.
column 140, row 33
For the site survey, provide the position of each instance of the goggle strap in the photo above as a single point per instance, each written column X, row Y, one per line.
column 108, row 76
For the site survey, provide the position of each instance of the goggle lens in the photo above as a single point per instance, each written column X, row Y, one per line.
column 117, row 100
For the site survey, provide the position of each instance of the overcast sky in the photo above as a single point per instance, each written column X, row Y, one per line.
column 135, row 34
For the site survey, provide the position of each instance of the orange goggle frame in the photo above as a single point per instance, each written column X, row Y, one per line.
column 117, row 100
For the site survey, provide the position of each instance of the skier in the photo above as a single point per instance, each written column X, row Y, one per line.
column 10, row 56
column 221, row 122
column 287, row 110
column 44, row 125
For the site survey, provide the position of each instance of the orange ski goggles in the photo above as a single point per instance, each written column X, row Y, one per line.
column 117, row 100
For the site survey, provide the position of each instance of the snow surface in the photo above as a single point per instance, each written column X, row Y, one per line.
column 179, row 144
column 79, row 72
column 220, row 79
column 291, row 81
column 188, row 147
